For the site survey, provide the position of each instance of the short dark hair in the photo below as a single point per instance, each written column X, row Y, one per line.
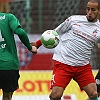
column 95, row 1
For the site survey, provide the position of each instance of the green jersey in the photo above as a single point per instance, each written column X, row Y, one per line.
column 8, row 52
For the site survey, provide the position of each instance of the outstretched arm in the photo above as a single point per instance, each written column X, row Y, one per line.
column 24, row 39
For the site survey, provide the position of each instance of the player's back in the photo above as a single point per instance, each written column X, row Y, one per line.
column 8, row 53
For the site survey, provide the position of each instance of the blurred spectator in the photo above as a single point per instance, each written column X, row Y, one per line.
column 4, row 5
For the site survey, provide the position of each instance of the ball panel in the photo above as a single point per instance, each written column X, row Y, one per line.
column 46, row 42
column 54, row 33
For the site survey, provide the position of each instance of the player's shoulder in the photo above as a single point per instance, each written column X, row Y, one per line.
column 6, row 14
column 9, row 14
column 78, row 17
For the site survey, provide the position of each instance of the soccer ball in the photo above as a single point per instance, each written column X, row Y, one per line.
column 50, row 39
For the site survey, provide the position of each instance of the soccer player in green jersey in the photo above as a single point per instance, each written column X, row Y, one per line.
column 9, row 63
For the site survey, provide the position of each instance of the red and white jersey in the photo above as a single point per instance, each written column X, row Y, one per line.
column 77, row 40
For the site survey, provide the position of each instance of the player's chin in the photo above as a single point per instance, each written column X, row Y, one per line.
column 90, row 19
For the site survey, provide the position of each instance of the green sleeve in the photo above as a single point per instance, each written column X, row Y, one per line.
column 23, row 37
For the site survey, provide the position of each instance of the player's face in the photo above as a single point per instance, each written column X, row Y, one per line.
column 92, row 11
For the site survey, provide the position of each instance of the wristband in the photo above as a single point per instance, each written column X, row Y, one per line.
column 38, row 43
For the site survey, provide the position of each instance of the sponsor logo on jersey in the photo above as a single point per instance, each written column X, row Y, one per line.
column 95, row 32
column 2, row 17
column 83, row 35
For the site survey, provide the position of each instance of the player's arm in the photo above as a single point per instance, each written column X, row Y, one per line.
column 64, row 26
column 61, row 28
column 24, row 38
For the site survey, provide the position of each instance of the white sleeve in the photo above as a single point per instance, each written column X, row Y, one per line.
column 64, row 27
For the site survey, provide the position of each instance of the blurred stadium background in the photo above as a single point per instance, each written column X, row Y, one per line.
column 36, row 16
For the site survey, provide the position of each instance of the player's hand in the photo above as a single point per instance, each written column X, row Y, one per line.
column 34, row 44
column 34, row 49
column 37, row 44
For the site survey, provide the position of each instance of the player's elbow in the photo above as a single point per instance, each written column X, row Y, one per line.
column 19, row 31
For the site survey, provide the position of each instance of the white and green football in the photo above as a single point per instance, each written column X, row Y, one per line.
column 50, row 39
